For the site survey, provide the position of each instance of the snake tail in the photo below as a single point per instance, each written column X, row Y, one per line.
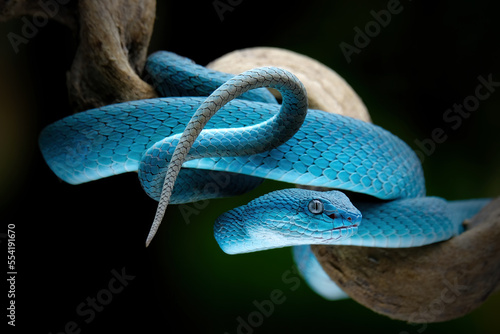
column 235, row 141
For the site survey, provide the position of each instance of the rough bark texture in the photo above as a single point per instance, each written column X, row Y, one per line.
column 433, row 283
column 113, row 40
column 114, row 36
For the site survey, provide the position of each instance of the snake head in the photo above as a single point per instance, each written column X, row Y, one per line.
column 331, row 211
column 288, row 217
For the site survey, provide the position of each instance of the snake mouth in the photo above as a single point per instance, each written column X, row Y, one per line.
column 344, row 227
column 340, row 233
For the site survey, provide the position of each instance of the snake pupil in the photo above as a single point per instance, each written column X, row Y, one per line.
column 315, row 206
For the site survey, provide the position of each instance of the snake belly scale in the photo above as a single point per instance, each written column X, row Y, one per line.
column 177, row 143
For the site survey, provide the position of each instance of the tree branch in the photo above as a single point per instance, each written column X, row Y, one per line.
column 113, row 40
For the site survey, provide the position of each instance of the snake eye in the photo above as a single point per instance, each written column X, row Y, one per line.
column 315, row 206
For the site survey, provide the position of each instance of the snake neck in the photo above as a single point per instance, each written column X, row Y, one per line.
column 255, row 232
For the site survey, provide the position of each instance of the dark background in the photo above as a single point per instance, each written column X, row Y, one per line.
column 71, row 238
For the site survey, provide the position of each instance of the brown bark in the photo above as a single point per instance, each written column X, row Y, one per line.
column 113, row 40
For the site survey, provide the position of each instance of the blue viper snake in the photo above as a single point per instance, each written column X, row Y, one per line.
column 210, row 125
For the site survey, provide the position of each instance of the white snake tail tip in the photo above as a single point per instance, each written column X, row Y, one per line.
column 150, row 237
column 152, row 233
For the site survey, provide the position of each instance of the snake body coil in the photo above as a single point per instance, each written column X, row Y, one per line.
column 249, row 139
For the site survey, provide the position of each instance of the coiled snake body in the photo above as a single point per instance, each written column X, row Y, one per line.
column 251, row 138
